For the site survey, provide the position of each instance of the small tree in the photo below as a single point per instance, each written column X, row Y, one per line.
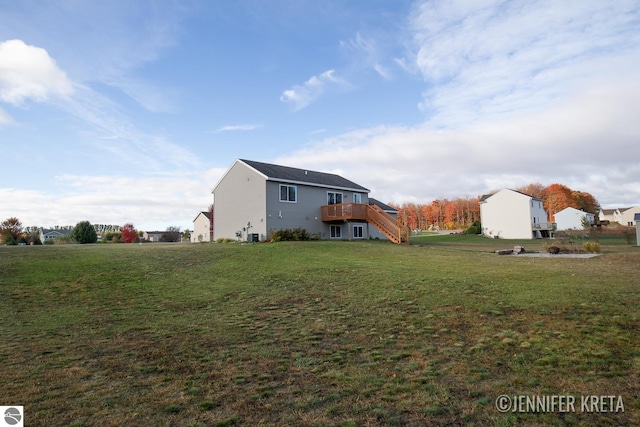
column 171, row 235
column 84, row 232
column 10, row 231
column 129, row 234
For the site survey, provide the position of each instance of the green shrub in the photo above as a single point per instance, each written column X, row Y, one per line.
column 288, row 234
column 112, row 237
column 84, row 232
column 475, row 228
column 224, row 240
column 64, row 240
column 591, row 247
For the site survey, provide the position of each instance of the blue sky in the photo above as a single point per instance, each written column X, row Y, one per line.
column 127, row 111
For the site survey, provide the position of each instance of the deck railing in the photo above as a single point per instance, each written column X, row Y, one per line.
column 374, row 215
column 544, row 226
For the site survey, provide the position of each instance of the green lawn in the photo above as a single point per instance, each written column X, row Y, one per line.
column 315, row 333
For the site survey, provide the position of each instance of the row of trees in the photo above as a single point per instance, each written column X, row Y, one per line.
column 459, row 213
column 12, row 233
column 443, row 213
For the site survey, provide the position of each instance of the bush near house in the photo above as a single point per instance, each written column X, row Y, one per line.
column 288, row 234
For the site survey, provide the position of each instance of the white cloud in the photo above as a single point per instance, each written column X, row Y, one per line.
column 588, row 142
column 365, row 52
column 28, row 72
column 231, row 128
column 5, row 119
column 488, row 58
column 300, row 96
column 150, row 202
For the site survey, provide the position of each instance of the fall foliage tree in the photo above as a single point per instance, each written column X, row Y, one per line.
column 557, row 197
column 10, row 231
column 128, row 233
column 463, row 212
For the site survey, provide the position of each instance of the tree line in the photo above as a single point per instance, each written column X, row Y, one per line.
column 12, row 233
column 463, row 212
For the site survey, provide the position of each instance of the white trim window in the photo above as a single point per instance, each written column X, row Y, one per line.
column 357, row 198
column 288, row 193
column 336, row 232
column 358, row 231
column 334, row 198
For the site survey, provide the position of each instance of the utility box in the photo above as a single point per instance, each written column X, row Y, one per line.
column 254, row 237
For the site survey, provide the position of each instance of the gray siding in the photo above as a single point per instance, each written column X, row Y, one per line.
column 239, row 198
column 305, row 213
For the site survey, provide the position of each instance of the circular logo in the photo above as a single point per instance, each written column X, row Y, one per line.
column 503, row 403
column 12, row 416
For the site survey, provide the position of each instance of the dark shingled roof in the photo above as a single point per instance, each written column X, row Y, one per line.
column 381, row 205
column 303, row 176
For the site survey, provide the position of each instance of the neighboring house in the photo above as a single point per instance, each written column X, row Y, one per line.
column 152, row 236
column 254, row 198
column 627, row 216
column 202, row 231
column 623, row 216
column 572, row 219
column 509, row 214
column 611, row 215
column 50, row 235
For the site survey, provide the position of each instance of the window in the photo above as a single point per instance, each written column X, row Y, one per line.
column 336, row 232
column 357, row 198
column 288, row 193
column 334, row 198
column 358, row 231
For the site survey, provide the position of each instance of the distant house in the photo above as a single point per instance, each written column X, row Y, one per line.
column 152, row 236
column 623, row 216
column 572, row 219
column 627, row 216
column 509, row 214
column 50, row 235
column 202, row 231
column 611, row 215
column 254, row 198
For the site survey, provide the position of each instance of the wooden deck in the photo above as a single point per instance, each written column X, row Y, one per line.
column 344, row 212
column 371, row 214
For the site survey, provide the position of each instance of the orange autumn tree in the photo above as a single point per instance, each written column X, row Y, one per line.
column 557, row 197
column 444, row 213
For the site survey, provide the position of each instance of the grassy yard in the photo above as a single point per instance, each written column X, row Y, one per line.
column 316, row 333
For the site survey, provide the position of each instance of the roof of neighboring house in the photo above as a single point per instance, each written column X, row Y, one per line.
column 569, row 208
column 608, row 211
column 381, row 205
column 303, row 176
column 60, row 232
column 486, row 196
column 205, row 213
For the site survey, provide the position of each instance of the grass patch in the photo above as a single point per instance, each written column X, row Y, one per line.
column 315, row 333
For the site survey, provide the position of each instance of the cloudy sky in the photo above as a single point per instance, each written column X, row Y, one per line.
column 130, row 111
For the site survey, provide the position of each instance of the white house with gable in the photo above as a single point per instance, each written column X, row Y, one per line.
column 572, row 219
column 202, row 230
column 509, row 214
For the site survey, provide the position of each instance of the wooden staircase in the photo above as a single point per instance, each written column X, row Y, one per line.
column 372, row 214
column 387, row 225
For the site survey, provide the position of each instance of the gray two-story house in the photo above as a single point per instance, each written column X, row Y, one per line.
column 253, row 198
